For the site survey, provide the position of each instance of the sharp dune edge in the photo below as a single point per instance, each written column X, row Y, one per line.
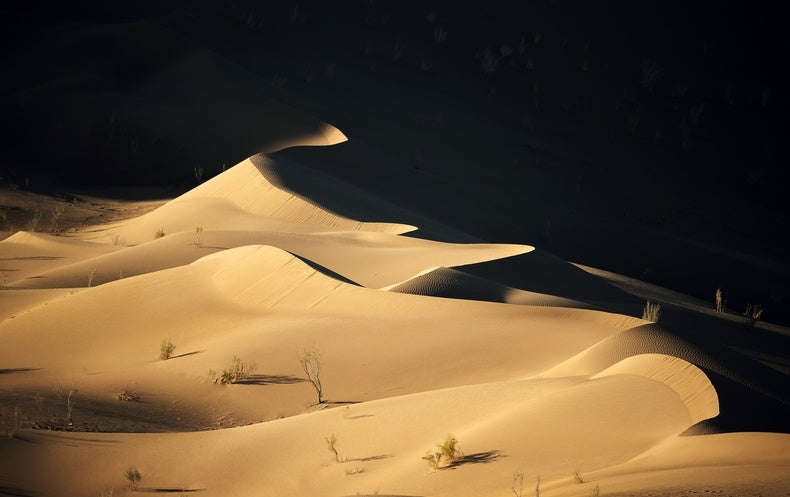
column 529, row 369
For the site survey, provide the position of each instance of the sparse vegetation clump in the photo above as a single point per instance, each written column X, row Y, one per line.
column 518, row 484
column 35, row 219
column 577, row 477
column 721, row 300
column 166, row 350
column 753, row 313
column 198, row 231
column 238, row 371
column 9, row 426
column 159, row 233
column 445, row 454
column 433, row 458
column 70, row 405
column 651, row 311
column 57, row 215
column 133, row 476
column 125, row 396
column 331, row 444
column 310, row 360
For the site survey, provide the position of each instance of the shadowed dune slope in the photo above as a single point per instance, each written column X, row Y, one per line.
column 451, row 283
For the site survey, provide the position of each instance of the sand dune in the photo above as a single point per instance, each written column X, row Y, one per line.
column 371, row 259
column 501, row 426
column 451, row 283
column 241, row 198
column 515, row 352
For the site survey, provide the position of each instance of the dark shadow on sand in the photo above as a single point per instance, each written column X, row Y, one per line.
column 477, row 458
column 185, row 354
column 17, row 370
column 166, row 490
column 325, row 271
column 33, row 258
column 337, row 403
column 370, row 458
column 15, row 492
column 359, row 416
column 265, row 379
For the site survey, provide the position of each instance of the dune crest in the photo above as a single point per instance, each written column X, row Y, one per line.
column 688, row 381
column 203, row 313
column 241, row 198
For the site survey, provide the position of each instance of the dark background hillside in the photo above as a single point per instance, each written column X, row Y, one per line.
column 645, row 138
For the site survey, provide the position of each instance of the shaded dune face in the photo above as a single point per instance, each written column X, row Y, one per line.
column 522, row 356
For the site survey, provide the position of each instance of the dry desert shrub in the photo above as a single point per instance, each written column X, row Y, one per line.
column 434, row 459
column 331, row 444
column 159, row 233
column 68, row 396
column 35, row 219
column 310, row 360
column 577, row 477
column 446, row 453
column 651, row 311
column 125, row 396
column 238, row 371
column 166, row 350
column 57, row 215
column 518, row 484
column 753, row 313
column 132, row 476
column 9, row 423
column 721, row 300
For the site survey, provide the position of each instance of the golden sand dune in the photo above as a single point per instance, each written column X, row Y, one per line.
column 371, row 259
column 242, row 199
column 502, row 426
column 687, row 380
column 495, row 344
column 26, row 254
column 215, row 303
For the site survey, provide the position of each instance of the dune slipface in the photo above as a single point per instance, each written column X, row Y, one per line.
column 537, row 368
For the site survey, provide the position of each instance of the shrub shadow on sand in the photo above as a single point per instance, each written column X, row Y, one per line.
column 476, row 458
column 265, row 379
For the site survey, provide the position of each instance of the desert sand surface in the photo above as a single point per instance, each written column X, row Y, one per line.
column 344, row 249
column 542, row 371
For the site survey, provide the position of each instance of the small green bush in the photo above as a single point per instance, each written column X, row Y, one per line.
column 159, row 233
